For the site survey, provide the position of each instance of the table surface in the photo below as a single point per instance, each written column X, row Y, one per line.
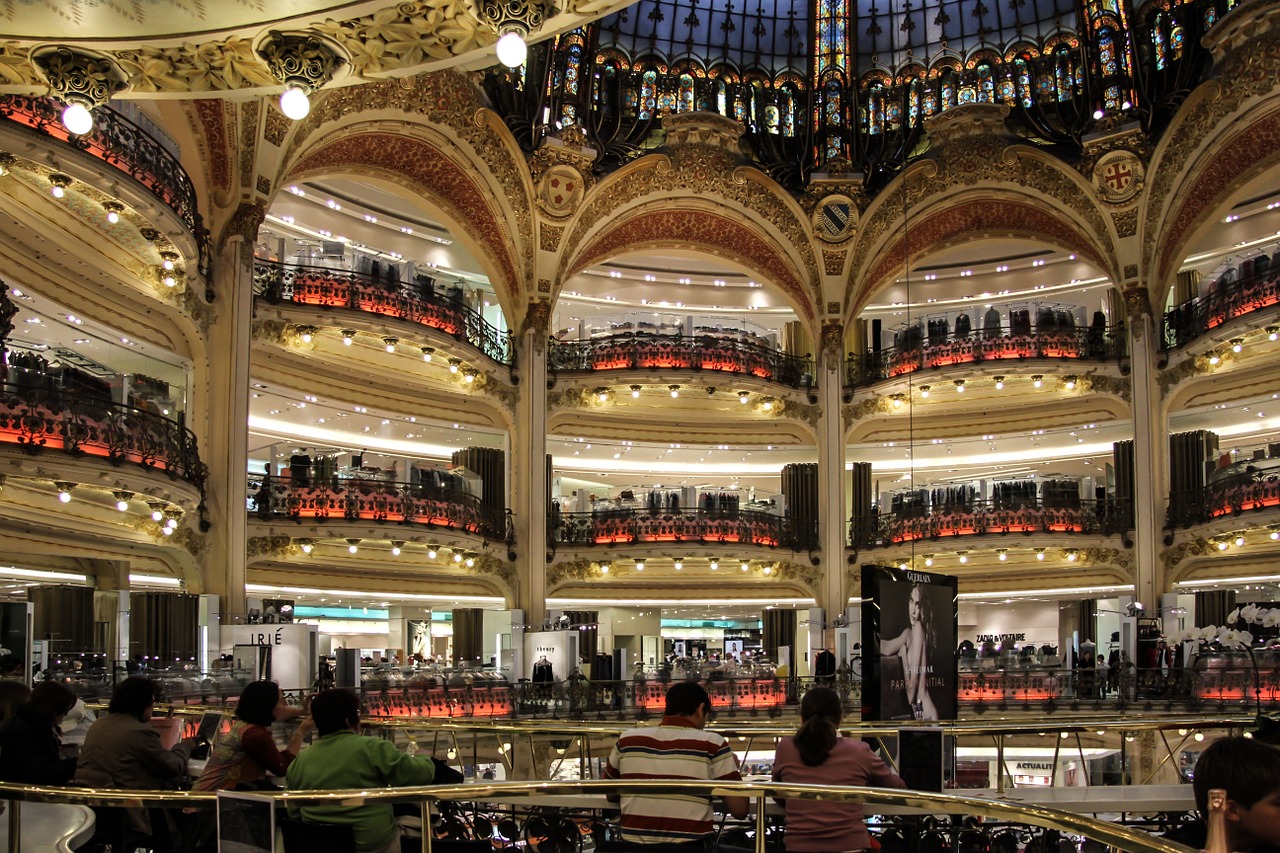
column 50, row 826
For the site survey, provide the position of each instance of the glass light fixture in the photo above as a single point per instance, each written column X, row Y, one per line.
column 427, row 353
column 390, row 342
column 113, row 209
column 348, row 336
column 353, row 545
column 122, row 500
column 635, row 391
column 999, row 383
column 743, row 397
column 511, row 49
column 295, row 104
column 64, row 491
column 395, row 548
column 58, row 184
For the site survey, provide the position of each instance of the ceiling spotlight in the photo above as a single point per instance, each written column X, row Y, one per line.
column 768, row 570
column 295, row 104
column 745, row 566
column 171, row 517
column 396, row 545
column 167, row 530
column 306, row 333
column 168, row 260
column 1037, row 381
column 602, row 394
column 604, row 568
column 307, row 546
column 924, row 391
column 1002, row 554
column 896, row 400
column 1275, row 533
column 715, row 564
column 1222, row 544
column 511, row 49
column 1098, row 114
column 679, row 563
column 427, row 353
column 80, row 80
column 635, row 391
column 999, row 383
column 959, row 386
column 157, row 510
column 743, row 396
column 59, row 183
column 1237, row 344
column 1214, row 358
column 454, row 364
column 1239, row 541
column 639, row 565
column 113, row 209
column 457, row 556
column 1069, row 383
column 674, row 389
column 122, row 499
column 353, row 545
column 390, row 342
column 1040, row 554
column 64, row 490
column 1072, row 555
column 469, row 562
column 928, row 560
column 1273, row 333
column 962, row 556
column 348, row 335
column 767, row 405
column 468, row 375
column 431, row 551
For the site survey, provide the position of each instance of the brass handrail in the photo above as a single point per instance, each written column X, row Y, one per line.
column 1117, row 836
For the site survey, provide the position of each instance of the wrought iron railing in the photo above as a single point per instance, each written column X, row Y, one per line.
column 737, row 527
column 126, row 147
column 1231, row 496
column 1224, row 302
column 336, row 500
column 986, row 345
column 328, row 288
column 979, row 517
column 40, row 420
column 680, row 352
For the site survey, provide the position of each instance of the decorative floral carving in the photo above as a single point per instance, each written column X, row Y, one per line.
column 1183, row 370
column 249, row 112
column 806, row 574
column 549, row 237
column 1104, row 384
column 1125, row 222
column 211, row 115
column 212, row 66
column 487, row 564
column 271, row 546
column 1137, row 302
column 833, row 262
column 871, row 405
column 244, row 223
column 277, row 126
column 833, row 342
column 505, row 394
column 1196, row 547
column 575, row 570
column 263, row 185
column 273, row 332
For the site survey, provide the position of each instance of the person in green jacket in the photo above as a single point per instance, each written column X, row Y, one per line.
column 343, row 759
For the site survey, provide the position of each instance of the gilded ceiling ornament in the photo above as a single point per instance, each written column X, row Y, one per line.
column 1196, row 547
column 835, row 219
column 300, row 60
column 1125, row 222
column 77, row 76
column 244, row 223
column 487, row 564
column 1103, row 383
column 1137, row 302
column 15, row 65
column 490, row 386
column 271, row 546
column 807, row 575
column 1118, row 176
column 833, row 342
column 548, row 241
column 1188, row 368
column 560, row 190
column 574, row 570
column 213, row 66
column 407, row 35
column 272, row 332
column 537, row 319
column 833, row 264
column 872, row 404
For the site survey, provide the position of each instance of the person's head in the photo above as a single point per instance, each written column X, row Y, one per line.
column 12, row 694
column 1249, row 772
column 51, row 701
column 135, row 696
column 335, row 709
column 258, row 702
column 689, row 699
column 820, row 714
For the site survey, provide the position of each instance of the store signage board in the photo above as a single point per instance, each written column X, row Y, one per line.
column 909, row 627
column 293, row 655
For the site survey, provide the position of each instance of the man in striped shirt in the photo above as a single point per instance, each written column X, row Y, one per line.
column 677, row 748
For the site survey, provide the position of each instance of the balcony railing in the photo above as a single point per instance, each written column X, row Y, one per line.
column 1224, row 302
column 987, row 345
column 40, row 420
column 124, row 146
column 337, row 501
column 327, row 288
column 982, row 517
column 738, row 527
column 1231, row 496
column 680, row 352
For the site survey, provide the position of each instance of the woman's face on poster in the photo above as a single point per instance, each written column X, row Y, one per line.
column 913, row 605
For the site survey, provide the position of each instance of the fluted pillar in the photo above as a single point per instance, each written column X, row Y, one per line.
column 530, row 467
column 1150, row 449
column 226, row 409
column 832, row 597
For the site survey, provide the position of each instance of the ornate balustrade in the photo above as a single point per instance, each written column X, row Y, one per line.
column 1224, row 302
column 377, row 501
column 982, row 517
column 125, row 147
column 328, row 288
column 739, row 527
column 986, row 345
column 1231, row 496
column 632, row 351
column 41, row 420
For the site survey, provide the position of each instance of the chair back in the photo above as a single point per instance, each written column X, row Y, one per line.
column 304, row 836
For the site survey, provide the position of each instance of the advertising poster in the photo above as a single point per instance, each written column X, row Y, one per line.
column 909, row 638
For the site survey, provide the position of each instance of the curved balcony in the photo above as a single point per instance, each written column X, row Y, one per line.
column 125, row 147
column 328, row 288
column 640, row 351
column 1224, row 302
column 978, row 518
column 992, row 344
column 380, row 502
column 40, row 420
column 1232, row 496
column 731, row 527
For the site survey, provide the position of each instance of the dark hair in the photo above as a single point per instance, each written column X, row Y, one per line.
column 12, row 694
column 50, row 699
column 335, row 709
column 684, row 699
column 820, row 713
column 133, row 695
column 11, row 665
column 1245, row 769
column 258, row 702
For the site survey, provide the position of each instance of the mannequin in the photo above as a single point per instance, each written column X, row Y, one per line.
column 542, row 671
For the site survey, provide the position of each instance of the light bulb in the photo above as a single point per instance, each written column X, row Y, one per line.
column 167, row 531
column 122, row 505
column 470, row 562
column 77, row 119
column 679, row 565
column 512, row 50
column 351, row 549
column 306, row 337
column 1003, row 556
column 715, row 564
column 431, row 552
column 65, row 497
column 167, row 263
column 964, row 558
column 639, row 565
column 157, row 515
column 170, row 281
column 295, row 104
column 306, row 547
column 395, row 550
column 172, row 522
column 999, row 383
column 58, row 191
column 1098, row 114
column 743, row 397
column 113, row 217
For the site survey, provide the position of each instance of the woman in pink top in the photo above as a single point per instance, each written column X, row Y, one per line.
column 817, row 755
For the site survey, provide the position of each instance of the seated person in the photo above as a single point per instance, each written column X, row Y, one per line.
column 123, row 749
column 340, row 759
column 677, row 748
column 30, row 743
column 1249, row 771
column 243, row 757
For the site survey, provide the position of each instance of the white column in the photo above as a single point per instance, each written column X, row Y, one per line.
column 1150, row 461
column 833, row 521
column 529, row 466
